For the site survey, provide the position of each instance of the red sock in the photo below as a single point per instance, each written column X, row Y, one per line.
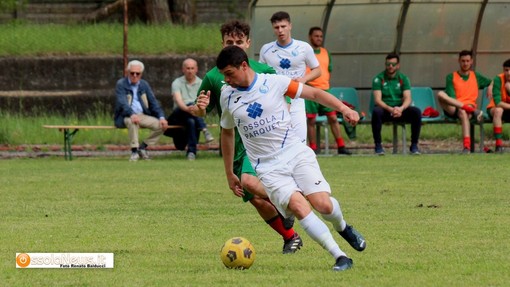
column 313, row 146
column 498, row 136
column 467, row 142
column 340, row 142
column 277, row 224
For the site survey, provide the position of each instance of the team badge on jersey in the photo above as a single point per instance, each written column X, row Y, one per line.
column 254, row 110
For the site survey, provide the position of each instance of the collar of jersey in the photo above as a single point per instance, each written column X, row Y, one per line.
column 291, row 41
column 242, row 89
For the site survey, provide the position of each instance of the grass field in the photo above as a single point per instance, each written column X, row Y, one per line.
column 431, row 220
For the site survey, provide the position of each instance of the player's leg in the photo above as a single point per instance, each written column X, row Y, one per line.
column 412, row 115
column 496, row 114
column 464, row 123
column 256, row 195
column 311, row 115
column 335, row 129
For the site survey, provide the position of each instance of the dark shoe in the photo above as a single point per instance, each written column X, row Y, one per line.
column 143, row 154
column 466, row 151
column 342, row 263
column 414, row 149
column 499, row 149
column 288, row 223
column 353, row 237
column 379, row 150
column 344, row 150
column 292, row 245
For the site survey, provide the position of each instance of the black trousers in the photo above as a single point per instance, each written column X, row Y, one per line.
column 411, row 115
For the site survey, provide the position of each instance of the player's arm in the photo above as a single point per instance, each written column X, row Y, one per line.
column 328, row 100
column 227, row 151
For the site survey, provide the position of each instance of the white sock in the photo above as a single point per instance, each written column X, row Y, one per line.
column 335, row 217
column 319, row 232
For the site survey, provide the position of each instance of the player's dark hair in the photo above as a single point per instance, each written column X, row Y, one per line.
column 231, row 55
column 465, row 53
column 313, row 29
column 235, row 28
column 506, row 64
column 393, row 56
column 280, row 16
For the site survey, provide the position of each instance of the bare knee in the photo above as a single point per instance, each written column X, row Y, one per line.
column 321, row 202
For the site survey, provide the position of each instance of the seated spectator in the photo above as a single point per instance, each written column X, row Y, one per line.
column 184, row 92
column 458, row 100
column 392, row 98
column 499, row 106
column 136, row 107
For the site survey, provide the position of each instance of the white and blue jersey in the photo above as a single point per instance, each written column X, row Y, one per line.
column 261, row 115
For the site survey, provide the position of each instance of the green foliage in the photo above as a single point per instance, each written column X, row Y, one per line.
column 22, row 39
column 9, row 5
column 428, row 220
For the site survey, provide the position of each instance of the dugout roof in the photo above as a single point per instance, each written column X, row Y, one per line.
column 428, row 35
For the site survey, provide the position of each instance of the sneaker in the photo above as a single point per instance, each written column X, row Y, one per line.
column 134, row 156
column 190, row 156
column 208, row 136
column 292, row 245
column 353, row 237
column 478, row 115
column 344, row 150
column 342, row 263
column 379, row 150
column 143, row 154
column 288, row 223
column 499, row 149
column 466, row 151
column 414, row 149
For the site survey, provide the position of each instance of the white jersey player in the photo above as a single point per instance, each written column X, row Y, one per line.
column 255, row 104
column 290, row 57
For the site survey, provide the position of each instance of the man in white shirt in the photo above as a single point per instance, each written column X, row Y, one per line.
column 290, row 57
column 255, row 104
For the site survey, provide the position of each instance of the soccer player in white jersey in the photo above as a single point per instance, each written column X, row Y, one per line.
column 255, row 104
column 289, row 57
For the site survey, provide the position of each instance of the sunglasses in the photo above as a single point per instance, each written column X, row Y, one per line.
column 135, row 73
column 391, row 64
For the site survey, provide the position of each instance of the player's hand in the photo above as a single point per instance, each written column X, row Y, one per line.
column 235, row 185
column 203, row 100
column 351, row 116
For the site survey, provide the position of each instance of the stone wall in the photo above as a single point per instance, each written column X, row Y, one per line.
column 77, row 85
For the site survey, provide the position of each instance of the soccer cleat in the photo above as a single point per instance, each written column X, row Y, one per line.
column 499, row 149
column 353, row 237
column 379, row 150
column 134, row 156
column 143, row 154
column 414, row 149
column 344, row 150
column 208, row 136
column 190, row 156
column 288, row 222
column 293, row 244
column 342, row 263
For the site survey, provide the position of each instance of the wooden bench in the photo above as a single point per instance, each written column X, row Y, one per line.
column 68, row 134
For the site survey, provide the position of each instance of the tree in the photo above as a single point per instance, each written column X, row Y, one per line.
column 9, row 5
column 150, row 11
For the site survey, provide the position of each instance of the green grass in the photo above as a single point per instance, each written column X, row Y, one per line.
column 432, row 220
column 21, row 39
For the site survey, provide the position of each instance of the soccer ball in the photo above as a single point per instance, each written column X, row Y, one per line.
column 237, row 253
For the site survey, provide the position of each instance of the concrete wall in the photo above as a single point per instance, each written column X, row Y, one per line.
column 77, row 85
